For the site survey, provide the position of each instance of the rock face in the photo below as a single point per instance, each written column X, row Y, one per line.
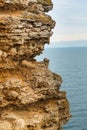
column 30, row 96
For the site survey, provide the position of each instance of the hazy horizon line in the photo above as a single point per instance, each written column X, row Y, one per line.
column 76, row 43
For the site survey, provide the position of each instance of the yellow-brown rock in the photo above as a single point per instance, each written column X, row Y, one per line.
column 30, row 96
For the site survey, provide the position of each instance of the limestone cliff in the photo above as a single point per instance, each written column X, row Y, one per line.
column 30, row 96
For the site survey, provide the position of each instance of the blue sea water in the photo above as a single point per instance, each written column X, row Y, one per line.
column 71, row 64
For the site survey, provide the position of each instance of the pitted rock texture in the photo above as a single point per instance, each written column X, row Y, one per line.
column 31, row 5
column 23, row 34
column 30, row 96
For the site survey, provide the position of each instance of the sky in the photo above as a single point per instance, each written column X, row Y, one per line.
column 71, row 20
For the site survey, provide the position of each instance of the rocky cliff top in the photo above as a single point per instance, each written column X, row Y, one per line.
column 29, row 5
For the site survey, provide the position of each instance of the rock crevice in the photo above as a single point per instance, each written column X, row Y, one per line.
column 30, row 96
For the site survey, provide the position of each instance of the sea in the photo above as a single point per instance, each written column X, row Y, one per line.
column 71, row 64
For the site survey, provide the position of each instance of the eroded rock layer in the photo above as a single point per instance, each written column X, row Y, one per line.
column 30, row 96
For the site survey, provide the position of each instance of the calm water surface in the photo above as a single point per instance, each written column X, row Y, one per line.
column 71, row 64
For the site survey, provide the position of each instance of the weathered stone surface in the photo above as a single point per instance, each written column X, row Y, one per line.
column 30, row 96
column 30, row 5
column 24, row 34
